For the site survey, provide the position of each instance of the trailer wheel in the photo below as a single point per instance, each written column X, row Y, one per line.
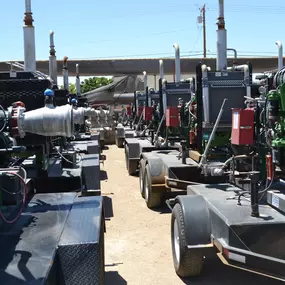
column 132, row 165
column 141, row 176
column 120, row 142
column 187, row 262
column 153, row 200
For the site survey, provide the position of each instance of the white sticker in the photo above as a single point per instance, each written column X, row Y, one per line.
column 275, row 201
column 13, row 74
column 235, row 120
column 225, row 74
column 218, row 73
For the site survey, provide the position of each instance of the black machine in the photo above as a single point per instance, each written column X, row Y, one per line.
column 241, row 219
column 47, row 181
column 141, row 116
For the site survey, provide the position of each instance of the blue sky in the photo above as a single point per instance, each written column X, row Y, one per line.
column 127, row 28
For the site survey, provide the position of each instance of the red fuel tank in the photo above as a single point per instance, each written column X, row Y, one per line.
column 140, row 110
column 147, row 113
column 243, row 126
column 172, row 116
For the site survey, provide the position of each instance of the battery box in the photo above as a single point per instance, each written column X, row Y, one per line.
column 68, row 159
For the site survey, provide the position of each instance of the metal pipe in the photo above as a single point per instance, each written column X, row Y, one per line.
column 177, row 62
column 65, row 74
column 204, row 155
column 205, row 94
column 78, row 90
column 161, row 69
column 144, row 80
column 164, row 103
column 52, row 59
column 159, row 127
column 234, row 51
column 280, row 55
column 139, row 122
column 29, row 39
column 221, row 63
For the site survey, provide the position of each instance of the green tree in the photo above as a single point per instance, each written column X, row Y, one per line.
column 94, row 83
column 89, row 84
column 72, row 88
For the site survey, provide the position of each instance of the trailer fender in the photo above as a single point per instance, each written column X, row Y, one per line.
column 134, row 148
column 120, row 132
column 196, row 219
column 156, row 168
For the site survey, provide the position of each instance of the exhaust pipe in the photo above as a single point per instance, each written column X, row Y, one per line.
column 177, row 62
column 65, row 74
column 234, row 51
column 161, row 69
column 52, row 59
column 145, row 80
column 221, row 63
column 78, row 91
column 29, row 39
column 280, row 55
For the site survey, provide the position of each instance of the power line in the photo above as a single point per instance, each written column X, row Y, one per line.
column 197, row 54
column 137, row 37
column 253, row 9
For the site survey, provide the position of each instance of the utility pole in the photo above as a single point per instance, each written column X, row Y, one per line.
column 202, row 19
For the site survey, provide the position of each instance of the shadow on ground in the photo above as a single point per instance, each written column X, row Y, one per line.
column 216, row 273
column 108, row 207
column 103, row 175
column 162, row 210
column 114, row 278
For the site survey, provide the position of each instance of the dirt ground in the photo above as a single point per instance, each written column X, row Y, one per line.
column 137, row 241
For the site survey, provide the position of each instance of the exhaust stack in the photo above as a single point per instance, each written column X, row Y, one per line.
column 29, row 39
column 52, row 59
column 177, row 62
column 78, row 91
column 221, row 63
column 161, row 69
column 280, row 55
column 145, row 80
column 65, row 74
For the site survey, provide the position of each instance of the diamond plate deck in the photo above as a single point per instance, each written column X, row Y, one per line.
column 79, row 247
column 28, row 247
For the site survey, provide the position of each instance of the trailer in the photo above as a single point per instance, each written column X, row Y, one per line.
column 242, row 220
column 41, row 199
column 141, row 116
column 51, row 210
column 210, row 220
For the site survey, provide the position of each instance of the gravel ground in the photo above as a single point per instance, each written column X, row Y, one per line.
column 137, row 246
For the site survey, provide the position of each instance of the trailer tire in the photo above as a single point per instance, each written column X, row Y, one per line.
column 120, row 142
column 187, row 262
column 153, row 200
column 132, row 165
column 141, row 176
